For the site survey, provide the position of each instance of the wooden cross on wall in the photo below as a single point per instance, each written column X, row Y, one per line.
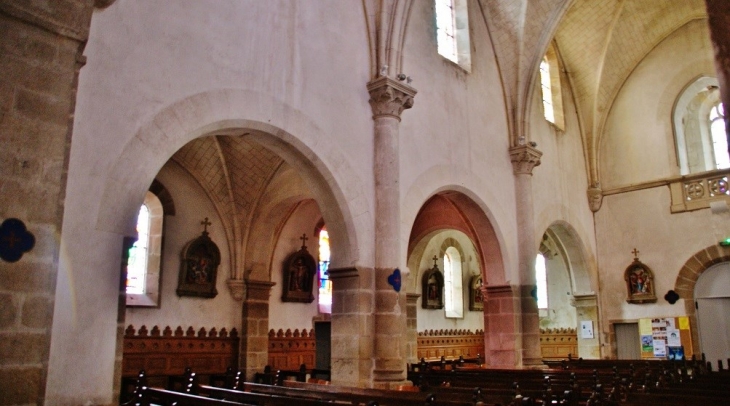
column 304, row 241
column 205, row 224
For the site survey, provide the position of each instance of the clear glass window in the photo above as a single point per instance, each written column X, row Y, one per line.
column 445, row 29
column 547, row 92
column 719, row 137
column 137, row 263
column 541, row 282
column 453, row 285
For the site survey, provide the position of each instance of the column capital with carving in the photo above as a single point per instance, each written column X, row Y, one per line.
column 390, row 97
column 524, row 158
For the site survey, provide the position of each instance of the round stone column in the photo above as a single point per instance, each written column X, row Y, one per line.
column 524, row 158
column 388, row 99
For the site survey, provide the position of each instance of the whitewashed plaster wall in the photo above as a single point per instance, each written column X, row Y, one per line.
column 638, row 141
column 455, row 137
column 435, row 319
column 559, row 313
column 291, row 315
column 560, row 183
column 142, row 58
column 666, row 241
column 160, row 73
column 191, row 207
column 638, row 147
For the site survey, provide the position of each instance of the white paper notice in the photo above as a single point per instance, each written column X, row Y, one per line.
column 660, row 348
column 673, row 339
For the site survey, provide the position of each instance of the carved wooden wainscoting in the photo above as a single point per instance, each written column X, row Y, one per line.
column 287, row 350
column 557, row 343
column 167, row 353
column 451, row 344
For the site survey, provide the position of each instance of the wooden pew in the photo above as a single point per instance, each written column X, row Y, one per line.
column 355, row 395
column 147, row 396
column 308, row 395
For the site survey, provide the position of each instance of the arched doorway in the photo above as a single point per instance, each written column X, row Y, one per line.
column 712, row 301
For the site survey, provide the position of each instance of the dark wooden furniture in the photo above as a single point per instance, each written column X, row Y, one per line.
column 558, row 343
column 450, row 344
column 165, row 355
column 289, row 350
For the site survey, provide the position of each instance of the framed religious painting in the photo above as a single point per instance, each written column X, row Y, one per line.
column 639, row 282
column 432, row 296
column 476, row 295
column 299, row 271
column 199, row 267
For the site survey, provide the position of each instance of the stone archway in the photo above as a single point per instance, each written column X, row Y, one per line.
column 93, row 238
column 687, row 279
column 452, row 210
column 582, row 281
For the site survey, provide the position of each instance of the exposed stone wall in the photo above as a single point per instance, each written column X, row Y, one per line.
column 41, row 46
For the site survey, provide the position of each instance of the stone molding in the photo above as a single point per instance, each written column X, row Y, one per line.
column 74, row 25
column 236, row 287
column 595, row 198
column 584, row 300
column 524, row 159
column 258, row 290
column 338, row 273
column 412, row 298
column 389, row 97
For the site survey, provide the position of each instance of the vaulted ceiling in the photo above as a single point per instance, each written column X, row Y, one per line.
column 600, row 43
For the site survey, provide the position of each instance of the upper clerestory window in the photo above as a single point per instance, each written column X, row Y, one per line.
column 452, row 32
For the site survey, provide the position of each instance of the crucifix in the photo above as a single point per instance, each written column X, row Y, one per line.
column 636, row 253
column 304, row 241
column 435, row 259
column 205, row 224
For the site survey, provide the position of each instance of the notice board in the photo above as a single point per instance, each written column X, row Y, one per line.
column 665, row 338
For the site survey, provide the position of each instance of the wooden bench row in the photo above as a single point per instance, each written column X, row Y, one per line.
column 292, row 393
column 609, row 383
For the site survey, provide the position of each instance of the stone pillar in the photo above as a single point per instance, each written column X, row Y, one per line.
column 412, row 327
column 586, row 309
column 388, row 99
column 41, row 52
column 524, row 159
column 254, row 351
column 718, row 12
column 352, row 326
column 501, row 325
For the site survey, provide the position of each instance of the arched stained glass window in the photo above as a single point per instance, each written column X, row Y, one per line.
column 325, row 284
